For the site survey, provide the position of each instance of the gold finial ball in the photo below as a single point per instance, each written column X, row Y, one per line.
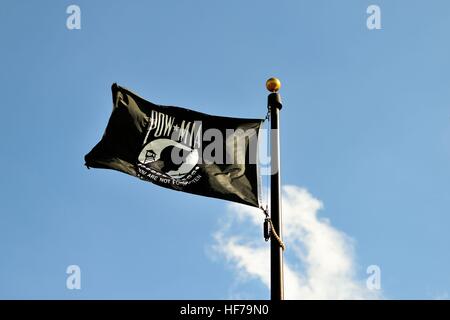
column 273, row 84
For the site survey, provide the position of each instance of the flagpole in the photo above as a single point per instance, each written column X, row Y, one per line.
column 276, row 251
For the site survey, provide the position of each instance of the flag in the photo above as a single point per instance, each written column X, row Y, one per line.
column 180, row 149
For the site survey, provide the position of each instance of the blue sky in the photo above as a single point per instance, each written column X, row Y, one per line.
column 366, row 129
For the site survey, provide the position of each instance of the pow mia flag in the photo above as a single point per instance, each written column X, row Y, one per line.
column 180, row 149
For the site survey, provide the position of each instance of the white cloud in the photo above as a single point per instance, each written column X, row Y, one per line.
column 319, row 261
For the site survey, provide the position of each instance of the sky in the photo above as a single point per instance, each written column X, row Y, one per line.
column 365, row 148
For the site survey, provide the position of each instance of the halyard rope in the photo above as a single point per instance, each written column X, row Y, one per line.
column 265, row 209
column 272, row 229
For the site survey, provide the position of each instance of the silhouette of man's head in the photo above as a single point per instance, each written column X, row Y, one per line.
column 172, row 157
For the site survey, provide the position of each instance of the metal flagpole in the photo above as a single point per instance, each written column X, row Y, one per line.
column 276, row 247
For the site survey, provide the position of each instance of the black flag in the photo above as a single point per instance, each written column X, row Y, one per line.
column 180, row 149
